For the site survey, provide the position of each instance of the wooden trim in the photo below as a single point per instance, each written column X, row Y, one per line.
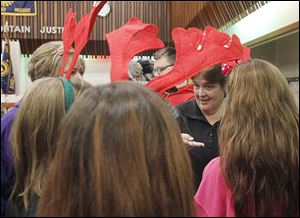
column 52, row 14
column 273, row 35
column 293, row 79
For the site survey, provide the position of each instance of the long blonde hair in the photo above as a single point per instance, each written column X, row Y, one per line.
column 259, row 141
column 126, row 158
column 33, row 134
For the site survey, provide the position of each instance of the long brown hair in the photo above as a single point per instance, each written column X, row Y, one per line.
column 33, row 133
column 259, row 141
column 120, row 153
column 33, row 136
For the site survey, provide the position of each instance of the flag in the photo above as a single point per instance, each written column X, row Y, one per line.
column 7, row 76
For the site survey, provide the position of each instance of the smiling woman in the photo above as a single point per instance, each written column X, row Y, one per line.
column 200, row 118
column 257, row 173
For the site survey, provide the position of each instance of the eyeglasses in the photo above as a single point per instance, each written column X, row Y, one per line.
column 157, row 72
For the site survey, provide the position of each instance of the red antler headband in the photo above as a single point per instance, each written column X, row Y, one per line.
column 127, row 41
column 228, row 66
column 79, row 34
column 68, row 37
column 196, row 51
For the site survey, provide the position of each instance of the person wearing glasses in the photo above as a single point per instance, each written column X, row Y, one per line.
column 164, row 60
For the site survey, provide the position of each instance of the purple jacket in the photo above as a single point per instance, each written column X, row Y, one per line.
column 7, row 170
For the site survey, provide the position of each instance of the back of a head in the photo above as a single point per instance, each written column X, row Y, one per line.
column 168, row 52
column 47, row 60
column 33, row 134
column 129, row 149
column 259, row 134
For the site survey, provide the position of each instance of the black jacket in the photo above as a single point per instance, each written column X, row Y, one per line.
column 193, row 122
column 19, row 211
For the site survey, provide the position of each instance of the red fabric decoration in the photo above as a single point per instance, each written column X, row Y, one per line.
column 82, row 33
column 127, row 41
column 228, row 66
column 196, row 51
column 185, row 93
column 68, row 37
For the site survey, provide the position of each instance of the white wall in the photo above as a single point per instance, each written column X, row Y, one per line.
column 287, row 55
column 97, row 71
column 269, row 18
column 283, row 52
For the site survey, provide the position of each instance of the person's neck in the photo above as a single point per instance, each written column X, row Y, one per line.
column 213, row 117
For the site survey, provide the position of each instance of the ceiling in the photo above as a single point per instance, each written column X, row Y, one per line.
column 166, row 15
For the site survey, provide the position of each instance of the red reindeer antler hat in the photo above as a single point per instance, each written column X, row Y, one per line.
column 196, row 51
column 127, row 41
column 79, row 34
column 68, row 37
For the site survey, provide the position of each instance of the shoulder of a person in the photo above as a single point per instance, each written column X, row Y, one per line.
column 14, row 211
column 213, row 165
column 8, row 118
column 184, row 105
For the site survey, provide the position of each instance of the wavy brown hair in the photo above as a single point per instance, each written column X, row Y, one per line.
column 33, row 133
column 259, row 141
column 33, row 136
column 119, row 153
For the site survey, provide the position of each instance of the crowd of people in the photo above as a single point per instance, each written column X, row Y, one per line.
column 213, row 145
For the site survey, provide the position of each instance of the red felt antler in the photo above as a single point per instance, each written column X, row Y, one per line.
column 82, row 33
column 197, row 50
column 68, row 38
column 127, row 41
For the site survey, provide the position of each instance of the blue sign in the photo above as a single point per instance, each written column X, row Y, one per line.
column 18, row 8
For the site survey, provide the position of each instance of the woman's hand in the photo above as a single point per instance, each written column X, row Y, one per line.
column 189, row 140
